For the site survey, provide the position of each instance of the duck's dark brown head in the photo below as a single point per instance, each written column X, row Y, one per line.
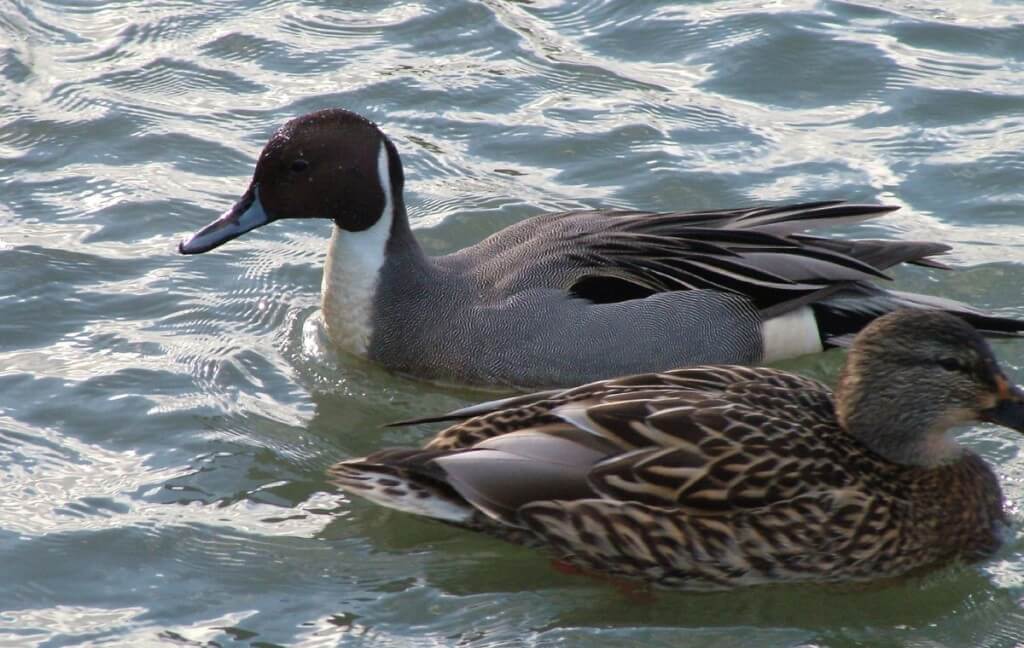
column 331, row 164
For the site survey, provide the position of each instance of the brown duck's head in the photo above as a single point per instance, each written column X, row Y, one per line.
column 913, row 375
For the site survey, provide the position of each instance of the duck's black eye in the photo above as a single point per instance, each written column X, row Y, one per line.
column 299, row 165
column 952, row 364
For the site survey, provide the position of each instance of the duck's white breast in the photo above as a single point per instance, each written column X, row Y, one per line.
column 352, row 272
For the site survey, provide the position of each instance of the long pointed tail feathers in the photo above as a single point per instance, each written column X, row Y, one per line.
column 840, row 316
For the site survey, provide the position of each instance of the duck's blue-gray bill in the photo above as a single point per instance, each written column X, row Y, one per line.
column 247, row 214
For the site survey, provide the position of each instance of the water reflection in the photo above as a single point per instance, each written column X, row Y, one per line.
column 165, row 422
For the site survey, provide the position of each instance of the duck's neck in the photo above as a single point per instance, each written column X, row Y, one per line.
column 356, row 263
column 352, row 275
column 884, row 413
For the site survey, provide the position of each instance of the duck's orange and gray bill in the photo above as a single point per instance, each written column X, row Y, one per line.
column 1009, row 409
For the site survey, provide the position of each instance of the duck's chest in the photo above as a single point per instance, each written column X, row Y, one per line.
column 959, row 509
column 351, row 278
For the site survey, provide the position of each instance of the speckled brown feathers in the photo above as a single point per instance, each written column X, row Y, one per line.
column 702, row 478
column 821, row 535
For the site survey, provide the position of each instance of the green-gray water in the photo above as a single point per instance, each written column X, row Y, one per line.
column 165, row 421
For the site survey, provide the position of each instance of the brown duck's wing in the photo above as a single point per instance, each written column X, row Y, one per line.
column 501, row 474
column 750, row 444
column 690, row 378
column 723, row 459
column 484, row 420
column 493, row 478
column 705, row 440
column 698, row 401
column 828, row 535
column 772, row 391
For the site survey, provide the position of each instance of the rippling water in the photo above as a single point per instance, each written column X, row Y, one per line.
column 165, row 421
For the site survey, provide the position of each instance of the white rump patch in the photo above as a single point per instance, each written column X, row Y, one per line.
column 352, row 271
column 790, row 335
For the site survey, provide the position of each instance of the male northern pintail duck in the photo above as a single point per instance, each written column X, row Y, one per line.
column 724, row 476
column 565, row 298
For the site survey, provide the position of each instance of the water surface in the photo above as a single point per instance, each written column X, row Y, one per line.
column 165, row 421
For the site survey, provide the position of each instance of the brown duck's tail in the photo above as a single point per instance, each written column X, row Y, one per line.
column 392, row 478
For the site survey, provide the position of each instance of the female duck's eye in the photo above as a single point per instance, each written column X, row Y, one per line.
column 300, row 165
column 951, row 364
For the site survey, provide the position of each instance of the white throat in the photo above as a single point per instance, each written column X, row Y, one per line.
column 352, row 271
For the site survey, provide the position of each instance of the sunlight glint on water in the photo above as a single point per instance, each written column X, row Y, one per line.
column 165, row 422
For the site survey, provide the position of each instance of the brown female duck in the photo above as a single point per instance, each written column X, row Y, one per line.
column 723, row 476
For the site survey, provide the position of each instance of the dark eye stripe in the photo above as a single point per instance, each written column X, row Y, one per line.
column 951, row 364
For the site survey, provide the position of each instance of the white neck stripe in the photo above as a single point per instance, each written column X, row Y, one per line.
column 384, row 177
column 352, row 270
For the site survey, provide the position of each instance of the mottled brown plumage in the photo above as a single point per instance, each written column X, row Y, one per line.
column 724, row 476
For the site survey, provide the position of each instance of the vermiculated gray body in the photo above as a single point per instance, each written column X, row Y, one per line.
column 571, row 297
column 490, row 315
